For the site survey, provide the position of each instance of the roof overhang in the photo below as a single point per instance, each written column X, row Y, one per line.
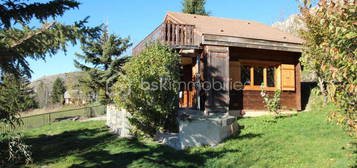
column 210, row 39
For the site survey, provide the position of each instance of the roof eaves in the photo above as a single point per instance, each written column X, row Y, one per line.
column 173, row 17
column 170, row 14
column 295, row 47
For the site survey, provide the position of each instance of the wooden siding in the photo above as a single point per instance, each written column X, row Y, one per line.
column 251, row 99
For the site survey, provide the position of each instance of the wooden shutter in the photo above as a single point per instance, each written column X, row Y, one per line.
column 234, row 72
column 288, row 77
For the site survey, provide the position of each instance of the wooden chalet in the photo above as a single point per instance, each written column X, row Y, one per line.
column 231, row 51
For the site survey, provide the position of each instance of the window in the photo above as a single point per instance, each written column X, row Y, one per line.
column 245, row 73
column 254, row 74
column 258, row 75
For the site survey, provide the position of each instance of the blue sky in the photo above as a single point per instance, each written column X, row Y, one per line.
column 137, row 18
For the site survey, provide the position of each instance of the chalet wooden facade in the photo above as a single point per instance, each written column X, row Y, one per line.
column 240, row 56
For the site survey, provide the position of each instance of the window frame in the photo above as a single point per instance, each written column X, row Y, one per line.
column 263, row 64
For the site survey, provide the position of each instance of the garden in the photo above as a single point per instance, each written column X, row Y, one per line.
column 306, row 139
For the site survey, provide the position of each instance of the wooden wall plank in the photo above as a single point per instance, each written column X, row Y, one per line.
column 298, row 86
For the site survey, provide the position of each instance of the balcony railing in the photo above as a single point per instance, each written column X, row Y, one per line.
column 175, row 35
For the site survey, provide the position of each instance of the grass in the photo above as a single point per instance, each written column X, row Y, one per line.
column 303, row 140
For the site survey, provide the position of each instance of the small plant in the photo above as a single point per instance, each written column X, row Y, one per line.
column 272, row 104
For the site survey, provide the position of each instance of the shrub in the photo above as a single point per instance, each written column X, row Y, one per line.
column 331, row 34
column 147, row 90
column 272, row 104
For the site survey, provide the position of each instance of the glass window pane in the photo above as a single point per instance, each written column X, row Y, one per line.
column 258, row 75
column 271, row 76
column 245, row 75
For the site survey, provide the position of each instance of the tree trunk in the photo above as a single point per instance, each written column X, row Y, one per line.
column 323, row 91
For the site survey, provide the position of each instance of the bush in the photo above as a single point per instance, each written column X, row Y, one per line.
column 272, row 104
column 148, row 90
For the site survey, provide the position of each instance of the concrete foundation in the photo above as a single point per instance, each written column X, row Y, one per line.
column 117, row 121
column 198, row 129
column 195, row 128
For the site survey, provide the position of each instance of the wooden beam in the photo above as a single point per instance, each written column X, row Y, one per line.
column 298, row 85
column 265, row 77
column 209, row 39
column 251, row 76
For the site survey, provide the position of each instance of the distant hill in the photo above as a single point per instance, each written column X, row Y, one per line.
column 43, row 93
column 48, row 80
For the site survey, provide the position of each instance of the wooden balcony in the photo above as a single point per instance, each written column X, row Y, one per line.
column 174, row 35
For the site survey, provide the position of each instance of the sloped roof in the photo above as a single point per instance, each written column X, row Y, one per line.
column 232, row 27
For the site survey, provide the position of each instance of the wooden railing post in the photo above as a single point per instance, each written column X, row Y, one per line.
column 163, row 33
column 170, row 34
column 172, row 42
column 181, row 34
column 177, row 39
column 192, row 35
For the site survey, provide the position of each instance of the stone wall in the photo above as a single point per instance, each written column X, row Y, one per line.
column 195, row 128
column 117, row 121
column 200, row 130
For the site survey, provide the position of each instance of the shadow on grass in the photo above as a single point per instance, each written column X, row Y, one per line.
column 239, row 136
column 276, row 119
column 158, row 156
column 98, row 148
column 48, row 148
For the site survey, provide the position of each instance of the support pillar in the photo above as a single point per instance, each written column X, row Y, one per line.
column 217, row 75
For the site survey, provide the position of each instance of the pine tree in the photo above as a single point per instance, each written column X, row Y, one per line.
column 15, row 96
column 105, row 54
column 20, row 42
column 194, row 7
column 58, row 90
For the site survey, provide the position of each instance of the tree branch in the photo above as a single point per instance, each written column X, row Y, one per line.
column 44, row 28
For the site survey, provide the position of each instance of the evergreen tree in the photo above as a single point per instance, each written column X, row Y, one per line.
column 194, row 7
column 15, row 96
column 20, row 42
column 105, row 54
column 58, row 90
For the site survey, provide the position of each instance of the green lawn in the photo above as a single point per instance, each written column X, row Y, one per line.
column 303, row 140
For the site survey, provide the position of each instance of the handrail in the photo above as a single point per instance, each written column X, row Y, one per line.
column 146, row 39
column 175, row 35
